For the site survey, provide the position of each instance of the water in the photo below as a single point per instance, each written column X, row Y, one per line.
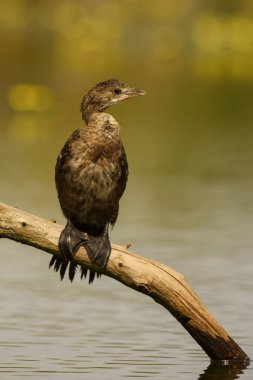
column 61, row 330
column 188, row 202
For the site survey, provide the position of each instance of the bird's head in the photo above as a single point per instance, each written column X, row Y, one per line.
column 105, row 95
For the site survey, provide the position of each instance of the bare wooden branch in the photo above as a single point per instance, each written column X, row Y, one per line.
column 166, row 286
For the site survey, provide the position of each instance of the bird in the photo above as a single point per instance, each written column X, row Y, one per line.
column 91, row 173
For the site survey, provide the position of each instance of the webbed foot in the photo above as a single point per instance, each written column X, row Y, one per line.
column 99, row 247
column 70, row 241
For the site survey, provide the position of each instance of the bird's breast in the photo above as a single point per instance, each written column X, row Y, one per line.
column 93, row 174
column 98, row 179
column 90, row 176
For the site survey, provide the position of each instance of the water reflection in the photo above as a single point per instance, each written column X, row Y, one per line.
column 229, row 371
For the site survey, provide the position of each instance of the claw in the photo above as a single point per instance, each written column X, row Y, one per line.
column 97, row 247
column 70, row 241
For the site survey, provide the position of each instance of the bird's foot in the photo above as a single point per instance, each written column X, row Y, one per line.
column 99, row 248
column 70, row 241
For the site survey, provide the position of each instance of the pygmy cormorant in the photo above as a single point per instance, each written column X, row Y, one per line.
column 91, row 174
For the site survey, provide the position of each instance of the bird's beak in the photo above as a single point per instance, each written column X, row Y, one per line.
column 130, row 93
column 126, row 93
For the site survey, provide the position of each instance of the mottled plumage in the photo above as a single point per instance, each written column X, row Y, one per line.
column 91, row 175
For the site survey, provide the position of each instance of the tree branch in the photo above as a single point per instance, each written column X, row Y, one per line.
column 166, row 286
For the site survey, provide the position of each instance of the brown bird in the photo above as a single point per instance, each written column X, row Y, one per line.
column 91, row 174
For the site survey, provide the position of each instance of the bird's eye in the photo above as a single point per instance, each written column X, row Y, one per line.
column 117, row 91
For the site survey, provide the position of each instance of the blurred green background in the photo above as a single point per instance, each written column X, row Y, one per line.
column 194, row 59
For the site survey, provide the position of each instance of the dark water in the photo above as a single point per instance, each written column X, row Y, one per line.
column 188, row 202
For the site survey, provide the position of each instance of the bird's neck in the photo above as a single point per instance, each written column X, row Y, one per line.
column 104, row 124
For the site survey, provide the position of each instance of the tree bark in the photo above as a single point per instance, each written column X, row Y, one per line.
column 166, row 286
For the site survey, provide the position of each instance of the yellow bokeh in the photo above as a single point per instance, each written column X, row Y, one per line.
column 30, row 97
